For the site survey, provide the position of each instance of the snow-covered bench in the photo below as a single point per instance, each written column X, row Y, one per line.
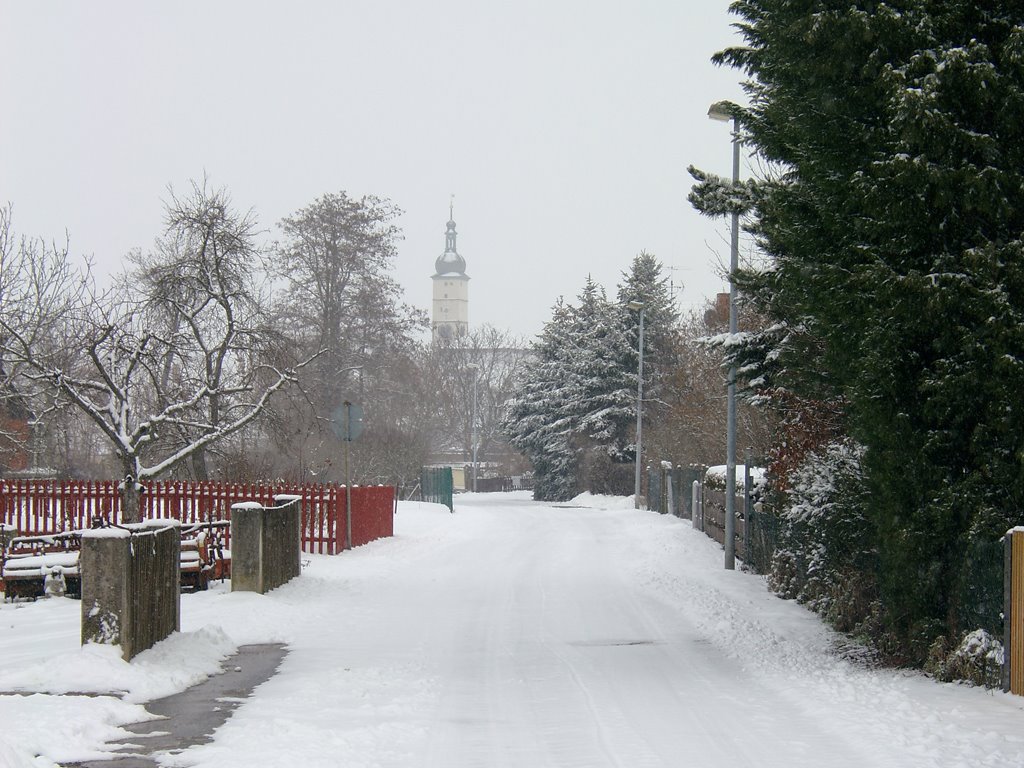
column 203, row 555
column 32, row 566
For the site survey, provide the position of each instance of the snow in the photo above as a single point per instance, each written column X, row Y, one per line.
column 718, row 473
column 110, row 532
column 247, row 505
column 44, row 562
column 510, row 633
column 125, row 530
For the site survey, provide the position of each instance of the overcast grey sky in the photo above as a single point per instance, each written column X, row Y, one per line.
column 562, row 127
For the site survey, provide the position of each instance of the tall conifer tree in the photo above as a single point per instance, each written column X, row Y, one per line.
column 895, row 227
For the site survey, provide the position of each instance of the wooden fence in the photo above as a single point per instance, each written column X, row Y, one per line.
column 714, row 520
column 35, row 507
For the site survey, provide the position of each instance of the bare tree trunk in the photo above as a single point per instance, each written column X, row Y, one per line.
column 199, row 468
column 131, row 504
column 131, row 498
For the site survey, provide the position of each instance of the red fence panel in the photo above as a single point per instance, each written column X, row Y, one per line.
column 48, row 506
column 375, row 518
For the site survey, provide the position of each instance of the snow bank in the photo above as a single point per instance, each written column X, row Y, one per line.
column 181, row 660
column 598, row 501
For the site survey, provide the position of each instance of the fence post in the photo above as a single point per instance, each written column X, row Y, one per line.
column 653, row 498
column 666, row 474
column 1013, row 611
column 696, row 507
column 748, row 508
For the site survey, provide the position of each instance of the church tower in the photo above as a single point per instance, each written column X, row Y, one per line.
column 451, row 289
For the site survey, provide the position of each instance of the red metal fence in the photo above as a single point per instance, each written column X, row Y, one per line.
column 46, row 506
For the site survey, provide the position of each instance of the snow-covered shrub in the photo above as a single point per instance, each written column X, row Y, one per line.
column 817, row 485
column 825, row 558
column 977, row 659
column 784, row 576
column 715, row 478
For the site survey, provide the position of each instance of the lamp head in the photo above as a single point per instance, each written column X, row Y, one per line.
column 723, row 111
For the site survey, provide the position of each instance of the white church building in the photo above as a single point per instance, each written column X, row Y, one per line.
column 451, row 289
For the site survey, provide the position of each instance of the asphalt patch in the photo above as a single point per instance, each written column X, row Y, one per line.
column 192, row 716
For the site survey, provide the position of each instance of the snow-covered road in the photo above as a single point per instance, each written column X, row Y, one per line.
column 552, row 649
column 512, row 634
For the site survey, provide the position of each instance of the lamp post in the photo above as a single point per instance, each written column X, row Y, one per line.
column 347, row 423
column 725, row 111
column 638, row 306
column 473, row 439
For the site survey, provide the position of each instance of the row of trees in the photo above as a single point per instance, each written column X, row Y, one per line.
column 574, row 416
column 891, row 211
column 213, row 355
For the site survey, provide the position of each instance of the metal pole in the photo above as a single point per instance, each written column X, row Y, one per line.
column 748, row 507
column 348, row 479
column 696, row 512
column 476, row 379
column 730, row 448
column 639, row 413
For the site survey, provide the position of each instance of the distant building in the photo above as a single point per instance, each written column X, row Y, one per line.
column 15, row 434
column 451, row 289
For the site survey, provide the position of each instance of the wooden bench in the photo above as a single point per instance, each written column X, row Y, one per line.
column 203, row 555
column 31, row 564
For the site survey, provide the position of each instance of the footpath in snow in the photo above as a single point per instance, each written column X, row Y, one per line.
column 511, row 633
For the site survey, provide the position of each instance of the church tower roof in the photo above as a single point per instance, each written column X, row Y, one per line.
column 450, row 262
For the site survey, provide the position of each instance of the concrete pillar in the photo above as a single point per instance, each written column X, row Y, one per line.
column 131, row 588
column 103, row 565
column 247, row 547
column 266, row 544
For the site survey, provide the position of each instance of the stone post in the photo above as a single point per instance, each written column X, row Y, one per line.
column 131, row 588
column 266, row 544
column 247, row 547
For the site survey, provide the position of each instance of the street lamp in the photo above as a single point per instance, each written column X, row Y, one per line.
column 476, row 377
column 638, row 306
column 347, row 422
column 725, row 111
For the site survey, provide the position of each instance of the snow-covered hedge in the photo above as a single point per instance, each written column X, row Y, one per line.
column 823, row 555
column 715, row 477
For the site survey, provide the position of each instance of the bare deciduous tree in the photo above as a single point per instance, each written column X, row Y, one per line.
column 38, row 288
column 494, row 359
column 336, row 261
column 164, row 374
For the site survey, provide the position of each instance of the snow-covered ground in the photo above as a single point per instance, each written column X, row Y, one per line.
column 510, row 633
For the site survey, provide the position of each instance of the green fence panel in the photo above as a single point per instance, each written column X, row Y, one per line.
column 437, row 486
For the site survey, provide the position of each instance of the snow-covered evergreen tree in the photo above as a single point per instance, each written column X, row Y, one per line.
column 575, row 411
column 895, row 227
column 538, row 421
column 645, row 283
